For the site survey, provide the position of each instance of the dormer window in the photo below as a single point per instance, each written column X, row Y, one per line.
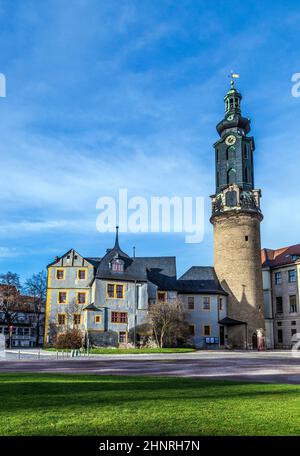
column 117, row 265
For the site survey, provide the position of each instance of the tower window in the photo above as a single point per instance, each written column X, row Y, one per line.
column 231, row 176
column 246, row 175
column 245, row 151
column 246, row 238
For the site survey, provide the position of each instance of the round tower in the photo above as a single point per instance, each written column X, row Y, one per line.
column 236, row 218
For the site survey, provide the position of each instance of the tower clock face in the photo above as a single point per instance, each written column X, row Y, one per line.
column 230, row 140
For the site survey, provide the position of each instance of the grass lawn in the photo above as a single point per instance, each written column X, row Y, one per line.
column 130, row 351
column 54, row 404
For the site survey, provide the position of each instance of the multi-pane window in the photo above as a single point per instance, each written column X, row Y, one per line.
column 119, row 317
column 278, row 278
column 191, row 302
column 81, row 274
column 61, row 319
column 119, row 291
column 292, row 275
column 206, row 330
column 62, row 297
column 60, row 274
column 280, row 336
column 77, row 319
column 206, row 303
column 81, row 297
column 115, row 291
column 161, row 296
column 118, row 265
column 122, row 337
column 279, row 305
column 293, row 304
column 110, row 290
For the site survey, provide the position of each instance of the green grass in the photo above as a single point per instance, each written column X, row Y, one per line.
column 53, row 404
column 130, row 351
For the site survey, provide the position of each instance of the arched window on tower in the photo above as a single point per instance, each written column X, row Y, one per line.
column 231, row 176
column 246, row 175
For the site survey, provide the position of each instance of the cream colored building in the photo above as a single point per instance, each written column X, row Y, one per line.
column 281, row 275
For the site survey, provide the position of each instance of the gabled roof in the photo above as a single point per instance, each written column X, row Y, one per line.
column 280, row 257
column 200, row 279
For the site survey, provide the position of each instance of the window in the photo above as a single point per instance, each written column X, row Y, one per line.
column 293, row 304
column 81, row 297
column 115, row 291
column 61, row 319
column 77, row 319
column 279, row 323
column 206, row 303
column 280, row 336
column 293, row 323
column 293, row 331
column 110, row 290
column 123, row 317
column 161, row 296
column 191, row 302
column 119, row 317
column 292, row 275
column 98, row 319
column 81, row 274
column 231, row 198
column 279, row 305
column 62, row 297
column 231, row 176
column 278, row 278
column 122, row 337
column 221, row 305
column 206, row 330
column 192, row 330
column 118, row 265
column 119, row 291
column 246, row 174
column 246, row 238
column 245, row 151
column 60, row 274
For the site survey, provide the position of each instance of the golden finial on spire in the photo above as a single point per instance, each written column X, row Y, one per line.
column 232, row 77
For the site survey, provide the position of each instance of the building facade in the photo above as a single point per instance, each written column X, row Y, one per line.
column 23, row 324
column 281, row 283
column 108, row 298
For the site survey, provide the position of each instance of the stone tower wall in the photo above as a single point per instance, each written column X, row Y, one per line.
column 238, row 266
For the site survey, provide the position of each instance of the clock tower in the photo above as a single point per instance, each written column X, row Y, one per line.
column 236, row 218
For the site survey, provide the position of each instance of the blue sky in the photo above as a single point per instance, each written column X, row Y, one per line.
column 103, row 95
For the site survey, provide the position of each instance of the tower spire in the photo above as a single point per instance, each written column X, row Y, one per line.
column 117, row 246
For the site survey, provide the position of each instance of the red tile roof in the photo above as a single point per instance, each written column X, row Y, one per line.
column 280, row 257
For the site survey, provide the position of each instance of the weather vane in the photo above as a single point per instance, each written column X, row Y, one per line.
column 232, row 77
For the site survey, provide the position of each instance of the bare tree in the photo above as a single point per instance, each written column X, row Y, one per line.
column 36, row 287
column 10, row 299
column 168, row 322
